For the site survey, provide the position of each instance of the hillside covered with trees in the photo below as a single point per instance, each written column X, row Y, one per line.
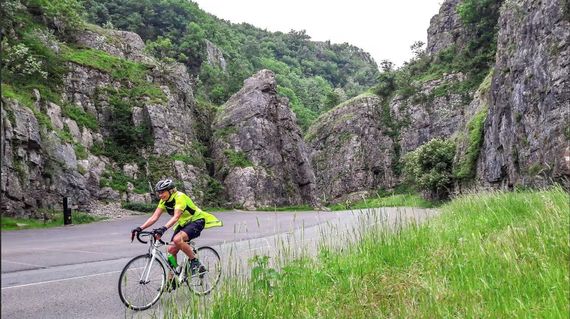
column 315, row 76
column 102, row 98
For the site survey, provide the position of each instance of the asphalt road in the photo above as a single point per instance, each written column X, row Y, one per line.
column 72, row 271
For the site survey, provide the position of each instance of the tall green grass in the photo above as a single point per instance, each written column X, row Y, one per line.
column 488, row 255
column 394, row 200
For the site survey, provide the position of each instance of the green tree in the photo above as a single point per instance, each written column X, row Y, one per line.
column 162, row 49
column 64, row 14
column 430, row 168
column 19, row 63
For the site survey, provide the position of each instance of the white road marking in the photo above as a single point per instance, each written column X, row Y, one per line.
column 21, row 263
column 58, row 280
column 81, row 277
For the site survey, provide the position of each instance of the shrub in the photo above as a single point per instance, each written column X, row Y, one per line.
column 81, row 117
column 466, row 167
column 237, row 159
column 429, row 167
column 19, row 62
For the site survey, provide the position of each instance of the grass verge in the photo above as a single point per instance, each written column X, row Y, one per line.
column 488, row 255
column 396, row 200
column 52, row 219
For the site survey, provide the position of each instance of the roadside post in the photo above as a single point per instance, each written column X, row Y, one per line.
column 66, row 212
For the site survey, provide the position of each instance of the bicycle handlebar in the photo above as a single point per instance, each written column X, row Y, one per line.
column 148, row 234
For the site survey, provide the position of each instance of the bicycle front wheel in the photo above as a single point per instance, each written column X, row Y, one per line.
column 207, row 278
column 141, row 282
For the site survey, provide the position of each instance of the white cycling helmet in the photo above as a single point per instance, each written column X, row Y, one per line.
column 165, row 184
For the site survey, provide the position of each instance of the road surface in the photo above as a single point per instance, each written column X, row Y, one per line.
column 72, row 271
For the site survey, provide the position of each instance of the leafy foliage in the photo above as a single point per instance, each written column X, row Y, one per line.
column 263, row 277
column 213, row 192
column 66, row 11
column 139, row 207
column 178, row 30
column 125, row 139
column 466, row 167
column 117, row 180
column 430, row 167
column 237, row 159
column 19, row 63
column 81, row 117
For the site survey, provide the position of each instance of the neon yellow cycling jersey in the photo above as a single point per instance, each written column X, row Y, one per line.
column 190, row 212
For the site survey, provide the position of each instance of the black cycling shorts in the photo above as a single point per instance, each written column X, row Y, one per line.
column 192, row 229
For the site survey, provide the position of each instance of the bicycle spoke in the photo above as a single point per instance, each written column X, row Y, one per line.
column 140, row 294
column 203, row 283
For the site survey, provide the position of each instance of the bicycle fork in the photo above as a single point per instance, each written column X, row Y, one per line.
column 146, row 272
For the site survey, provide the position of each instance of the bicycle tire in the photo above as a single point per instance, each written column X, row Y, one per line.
column 203, row 283
column 134, row 293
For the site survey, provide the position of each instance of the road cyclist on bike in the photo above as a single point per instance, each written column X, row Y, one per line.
column 188, row 221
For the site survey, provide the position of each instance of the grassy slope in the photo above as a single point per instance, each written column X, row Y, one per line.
column 491, row 255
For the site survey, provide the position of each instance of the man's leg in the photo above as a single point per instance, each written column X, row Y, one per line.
column 180, row 243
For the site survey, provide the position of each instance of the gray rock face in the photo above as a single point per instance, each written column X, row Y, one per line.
column 258, row 150
column 351, row 151
column 424, row 121
column 123, row 44
column 81, row 87
column 527, row 129
column 173, row 122
column 40, row 163
column 215, row 56
column 446, row 28
column 38, row 168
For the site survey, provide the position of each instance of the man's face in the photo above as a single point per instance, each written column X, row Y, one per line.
column 164, row 195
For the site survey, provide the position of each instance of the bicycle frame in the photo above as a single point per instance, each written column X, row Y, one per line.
column 141, row 274
column 156, row 253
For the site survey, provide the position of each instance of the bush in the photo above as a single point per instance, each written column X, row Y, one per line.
column 19, row 62
column 430, row 168
column 467, row 165
column 237, row 159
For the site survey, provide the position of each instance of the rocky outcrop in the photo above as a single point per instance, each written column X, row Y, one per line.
column 357, row 147
column 527, row 131
column 173, row 122
column 38, row 168
column 122, row 44
column 258, row 150
column 425, row 116
column 215, row 56
column 446, row 29
column 351, row 150
column 47, row 154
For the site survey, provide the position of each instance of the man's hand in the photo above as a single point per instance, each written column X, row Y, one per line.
column 134, row 232
column 159, row 232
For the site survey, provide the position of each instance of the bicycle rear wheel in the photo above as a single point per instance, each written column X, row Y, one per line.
column 203, row 282
column 141, row 282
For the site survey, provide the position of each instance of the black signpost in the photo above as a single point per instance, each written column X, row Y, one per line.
column 66, row 212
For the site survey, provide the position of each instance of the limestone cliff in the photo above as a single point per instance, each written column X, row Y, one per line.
column 110, row 137
column 351, row 150
column 527, row 131
column 258, row 151
column 513, row 130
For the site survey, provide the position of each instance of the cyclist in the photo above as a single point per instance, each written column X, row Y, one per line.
column 188, row 219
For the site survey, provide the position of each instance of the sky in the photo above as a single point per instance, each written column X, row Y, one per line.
column 384, row 28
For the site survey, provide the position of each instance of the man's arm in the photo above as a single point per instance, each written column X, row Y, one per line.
column 152, row 219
